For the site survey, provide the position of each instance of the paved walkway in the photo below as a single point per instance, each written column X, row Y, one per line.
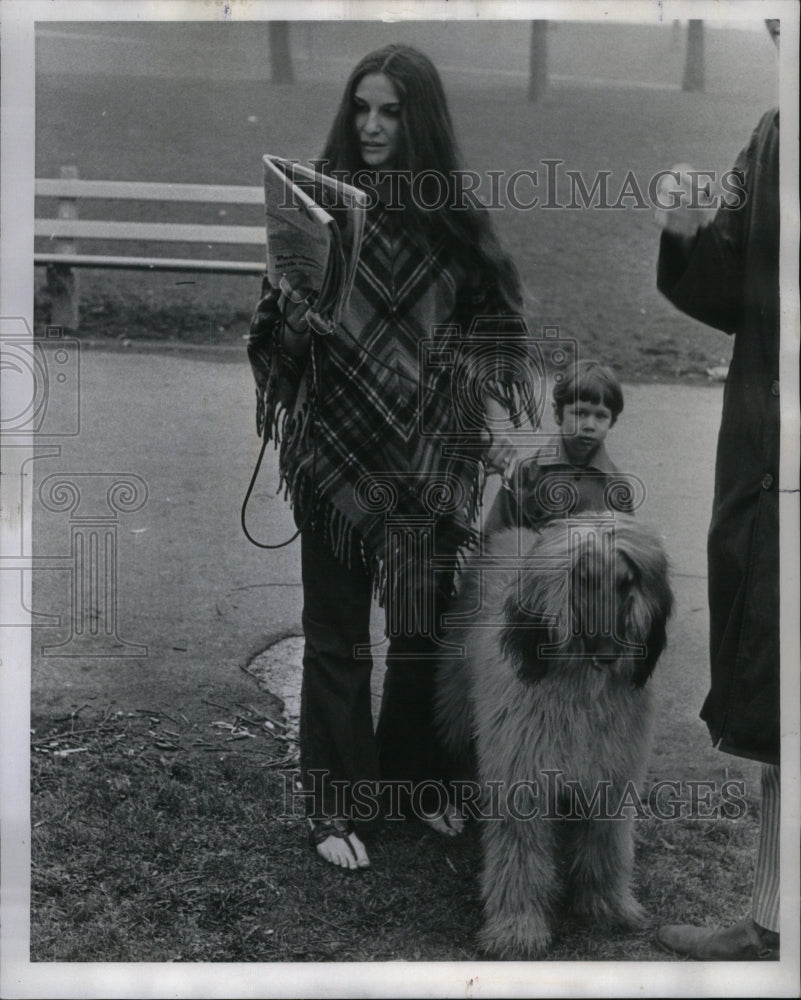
column 195, row 602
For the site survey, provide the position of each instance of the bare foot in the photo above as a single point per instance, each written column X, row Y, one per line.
column 341, row 847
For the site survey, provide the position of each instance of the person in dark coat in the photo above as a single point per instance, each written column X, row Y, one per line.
column 727, row 275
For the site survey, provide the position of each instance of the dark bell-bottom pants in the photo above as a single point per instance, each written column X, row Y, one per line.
column 337, row 739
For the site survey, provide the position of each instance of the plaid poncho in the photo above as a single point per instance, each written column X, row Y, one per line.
column 386, row 425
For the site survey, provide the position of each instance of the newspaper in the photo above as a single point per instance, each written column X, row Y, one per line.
column 314, row 233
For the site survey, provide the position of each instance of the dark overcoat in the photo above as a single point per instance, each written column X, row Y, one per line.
column 728, row 277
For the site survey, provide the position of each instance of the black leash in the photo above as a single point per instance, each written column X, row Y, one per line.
column 265, row 440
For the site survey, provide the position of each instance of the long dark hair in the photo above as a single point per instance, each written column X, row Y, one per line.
column 427, row 143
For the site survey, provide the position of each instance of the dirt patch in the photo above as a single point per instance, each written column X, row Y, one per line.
column 279, row 670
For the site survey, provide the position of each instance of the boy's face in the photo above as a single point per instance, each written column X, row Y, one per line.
column 584, row 426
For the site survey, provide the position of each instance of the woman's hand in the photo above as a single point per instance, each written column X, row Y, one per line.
column 501, row 453
column 294, row 309
column 685, row 199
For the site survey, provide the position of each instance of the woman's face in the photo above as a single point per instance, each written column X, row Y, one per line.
column 377, row 120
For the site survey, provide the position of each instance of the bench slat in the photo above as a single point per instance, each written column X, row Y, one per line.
column 215, row 193
column 145, row 231
column 151, row 263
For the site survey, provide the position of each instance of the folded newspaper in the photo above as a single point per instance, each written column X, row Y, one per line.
column 314, row 233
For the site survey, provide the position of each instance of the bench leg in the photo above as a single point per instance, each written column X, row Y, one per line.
column 63, row 290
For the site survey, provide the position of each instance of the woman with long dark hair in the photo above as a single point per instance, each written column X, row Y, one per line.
column 386, row 428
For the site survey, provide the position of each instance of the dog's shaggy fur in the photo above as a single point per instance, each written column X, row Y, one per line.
column 558, row 653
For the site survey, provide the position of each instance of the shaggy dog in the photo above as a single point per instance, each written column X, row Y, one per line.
column 560, row 629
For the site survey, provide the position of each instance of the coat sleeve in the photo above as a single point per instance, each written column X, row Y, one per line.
column 703, row 275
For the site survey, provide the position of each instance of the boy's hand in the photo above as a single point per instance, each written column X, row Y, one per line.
column 500, row 455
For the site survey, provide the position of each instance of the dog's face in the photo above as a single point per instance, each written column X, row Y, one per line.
column 596, row 593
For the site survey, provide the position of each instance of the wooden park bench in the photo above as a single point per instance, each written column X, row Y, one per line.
column 66, row 228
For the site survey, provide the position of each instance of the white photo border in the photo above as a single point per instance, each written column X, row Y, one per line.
column 20, row 977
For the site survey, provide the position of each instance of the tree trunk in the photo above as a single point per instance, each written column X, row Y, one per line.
column 538, row 60
column 694, row 64
column 280, row 53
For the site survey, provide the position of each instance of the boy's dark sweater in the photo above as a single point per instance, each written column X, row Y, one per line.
column 548, row 485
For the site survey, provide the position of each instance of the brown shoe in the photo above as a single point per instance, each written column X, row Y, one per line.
column 744, row 942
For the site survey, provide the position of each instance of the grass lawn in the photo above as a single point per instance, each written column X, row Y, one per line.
column 156, row 839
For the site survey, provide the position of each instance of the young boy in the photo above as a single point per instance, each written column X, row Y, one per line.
column 570, row 473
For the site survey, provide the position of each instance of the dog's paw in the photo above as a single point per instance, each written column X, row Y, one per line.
column 618, row 911
column 629, row 914
column 521, row 937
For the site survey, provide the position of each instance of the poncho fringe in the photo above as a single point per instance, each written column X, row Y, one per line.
column 292, row 434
